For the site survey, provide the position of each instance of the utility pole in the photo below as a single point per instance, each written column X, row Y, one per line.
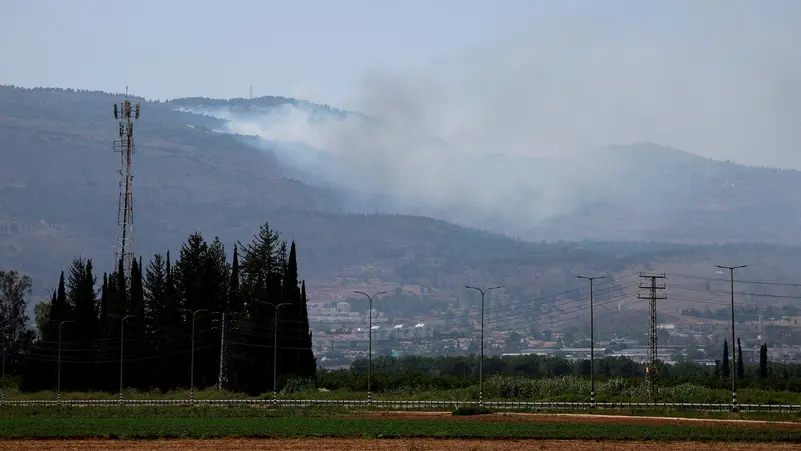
column 192, row 362
column 481, row 360
column 592, row 341
column 370, row 341
column 650, row 370
column 122, row 348
column 222, row 380
column 58, row 377
column 733, row 368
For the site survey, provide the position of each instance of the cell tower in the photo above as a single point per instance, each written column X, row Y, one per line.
column 650, row 370
column 126, row 114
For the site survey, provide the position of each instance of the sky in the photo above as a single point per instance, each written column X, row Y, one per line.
column 167, row 49
column 720, row 78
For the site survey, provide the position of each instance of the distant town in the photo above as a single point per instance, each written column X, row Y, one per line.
column 341, row 334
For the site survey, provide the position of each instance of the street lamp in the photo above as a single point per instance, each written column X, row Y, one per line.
column 58, row 377
column 370, row 341
column 275, row 348
column 733, row 367
column 3, row 332
column 192, row 362
column 481, row 360
column 122, row 342
column 592, row 341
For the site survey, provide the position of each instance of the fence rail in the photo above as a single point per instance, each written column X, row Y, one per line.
column 414, row 405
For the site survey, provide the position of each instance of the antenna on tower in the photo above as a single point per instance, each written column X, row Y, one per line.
column 251, row 92
column 126, row 114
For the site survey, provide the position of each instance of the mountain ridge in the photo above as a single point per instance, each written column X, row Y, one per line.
column 58, row 189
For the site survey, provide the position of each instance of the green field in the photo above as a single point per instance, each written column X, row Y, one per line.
column 221, row 412
column 129, row 428
column 496, row 388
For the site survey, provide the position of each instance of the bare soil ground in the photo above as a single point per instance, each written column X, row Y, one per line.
column 375, row 445
column 586, row 419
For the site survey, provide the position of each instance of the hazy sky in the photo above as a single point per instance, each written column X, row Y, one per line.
column 174, row 48
column 721, row 78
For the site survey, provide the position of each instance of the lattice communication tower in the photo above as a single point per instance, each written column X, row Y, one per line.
column 126, row 114
column 652, row 297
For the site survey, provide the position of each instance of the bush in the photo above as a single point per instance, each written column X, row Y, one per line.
column 471, row 410
column 297, row 385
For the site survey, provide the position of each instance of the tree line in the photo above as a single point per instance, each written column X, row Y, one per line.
column 418, row 372
column 151, row 321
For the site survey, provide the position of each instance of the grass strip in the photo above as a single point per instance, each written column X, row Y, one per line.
column 151, row 428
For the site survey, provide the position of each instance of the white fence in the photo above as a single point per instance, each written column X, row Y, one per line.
column 416, row 405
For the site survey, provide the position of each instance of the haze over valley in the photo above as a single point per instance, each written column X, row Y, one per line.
column 621, row 139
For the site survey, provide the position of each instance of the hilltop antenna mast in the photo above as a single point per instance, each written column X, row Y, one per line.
column 650, row 369
column 125, row 113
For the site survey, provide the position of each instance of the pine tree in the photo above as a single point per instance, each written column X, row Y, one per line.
column 170, row 367
column 234, row 294
column 155, row 307
column 59, row 311
column 85, row 332
column 763, row 361
column 260, row 285
column 106, row 347
column 135, row 330
column 740, row 364
column 725, row 365
column 104, row 305
column 216, row 277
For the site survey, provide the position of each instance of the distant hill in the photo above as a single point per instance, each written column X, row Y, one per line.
column 641, row 192
column 58, row 198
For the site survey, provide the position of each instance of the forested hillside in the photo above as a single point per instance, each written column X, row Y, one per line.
column 58, row 199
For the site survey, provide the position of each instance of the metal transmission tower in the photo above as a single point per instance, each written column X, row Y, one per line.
column 126, row 113
column 650, row 370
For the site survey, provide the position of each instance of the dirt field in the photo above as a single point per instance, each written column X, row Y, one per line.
column 586, row 419
column 375, row 445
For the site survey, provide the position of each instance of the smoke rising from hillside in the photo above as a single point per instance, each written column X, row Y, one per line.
column 720, row 79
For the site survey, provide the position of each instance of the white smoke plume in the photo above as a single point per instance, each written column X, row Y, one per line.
column 721, row 79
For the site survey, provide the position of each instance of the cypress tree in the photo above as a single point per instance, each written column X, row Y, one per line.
column 725, row 365
column 763, row 361
column 234, row 295
column 172, row 335
column 308, row 361
column 155, row 326
column 86, row 329
column 104, row 301
column 740, row 364
column 135, row 329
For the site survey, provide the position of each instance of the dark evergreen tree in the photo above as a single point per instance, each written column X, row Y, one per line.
column 740, row 363
column 104, row 304
column 157, row 340
column 725, row 365
column 155, row 308
column 171, row 333
column 260, row 285
column 763, row 361
column 82, row 338
column 308, row 363
column 59, row 311
column 234, row 294
column 135, row 348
